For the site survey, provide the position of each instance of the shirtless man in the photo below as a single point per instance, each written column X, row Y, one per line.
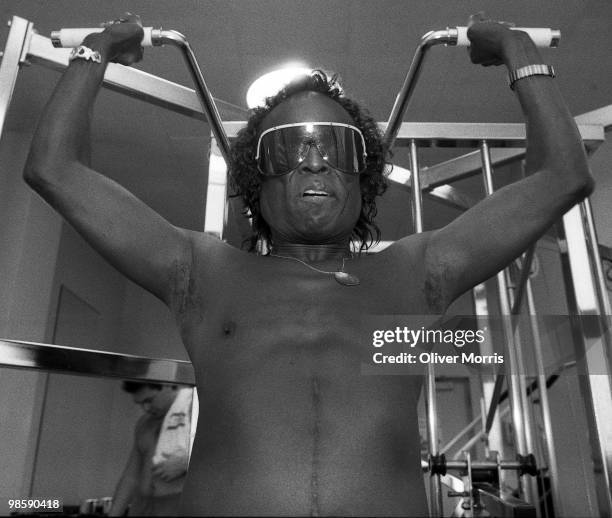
column 292, row 426
column 150, row 489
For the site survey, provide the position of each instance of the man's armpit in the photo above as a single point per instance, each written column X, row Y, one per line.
column 436, row 286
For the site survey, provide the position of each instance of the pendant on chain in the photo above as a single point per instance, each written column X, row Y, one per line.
column 346, row 279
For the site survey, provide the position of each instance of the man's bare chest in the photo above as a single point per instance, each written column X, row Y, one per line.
column 357, row 285
column 268, row 310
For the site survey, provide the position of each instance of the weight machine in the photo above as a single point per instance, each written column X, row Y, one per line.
column 496, row 144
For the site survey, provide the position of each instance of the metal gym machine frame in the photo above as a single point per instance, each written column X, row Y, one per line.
column 498, row 144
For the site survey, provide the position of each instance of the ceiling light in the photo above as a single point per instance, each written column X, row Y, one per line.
column 270, row 83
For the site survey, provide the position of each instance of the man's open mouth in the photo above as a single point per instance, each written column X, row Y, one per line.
column 312, row 192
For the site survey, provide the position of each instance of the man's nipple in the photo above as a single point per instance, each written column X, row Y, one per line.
column 229, row 328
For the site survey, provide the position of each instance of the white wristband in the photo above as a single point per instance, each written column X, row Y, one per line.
column 83, row 52
column 528, row 71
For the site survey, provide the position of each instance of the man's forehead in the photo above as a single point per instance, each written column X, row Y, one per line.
column 306, row 107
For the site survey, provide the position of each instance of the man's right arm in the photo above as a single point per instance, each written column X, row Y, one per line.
column 131, row 236
column 128, row 483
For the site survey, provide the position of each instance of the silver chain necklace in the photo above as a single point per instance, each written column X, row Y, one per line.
column 346, row 279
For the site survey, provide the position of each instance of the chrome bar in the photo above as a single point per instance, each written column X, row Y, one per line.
column 516, row 307
column 551, row 455
column 488, row 382
column 459, row 465
column 403, row 97
column 470, row 483
column 73, row 360
column 435, row 508
column 495, row 401
column 603, row 407
column 529, row 484
column 417, row 201
column 208, row 104
column 514, row 391
column 466, row 134
column 466, row 165
column 459, row 134
column 521, row 373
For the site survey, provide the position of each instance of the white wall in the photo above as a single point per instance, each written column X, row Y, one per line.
column 29, row 240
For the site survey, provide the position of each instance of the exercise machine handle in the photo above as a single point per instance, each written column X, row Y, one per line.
column 74, row 37
column 542, row 37
column 158, row 38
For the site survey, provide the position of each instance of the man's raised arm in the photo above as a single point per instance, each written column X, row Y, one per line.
column 134, row 238
column 487, row 237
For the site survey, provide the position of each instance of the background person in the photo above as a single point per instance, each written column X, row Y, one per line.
column 152, row 482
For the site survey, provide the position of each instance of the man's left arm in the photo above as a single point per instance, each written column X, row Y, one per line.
column 491, row 234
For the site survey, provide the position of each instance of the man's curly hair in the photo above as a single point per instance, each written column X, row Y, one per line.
column 246, row 180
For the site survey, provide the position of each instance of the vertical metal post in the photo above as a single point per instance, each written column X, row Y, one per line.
column 522, row 371
column 215, row 219
column 481, row 309
column 605, row 312
column 514, row 389
column 417, row 200
column 543, row 390
column 14, row 53
column 435, row 508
